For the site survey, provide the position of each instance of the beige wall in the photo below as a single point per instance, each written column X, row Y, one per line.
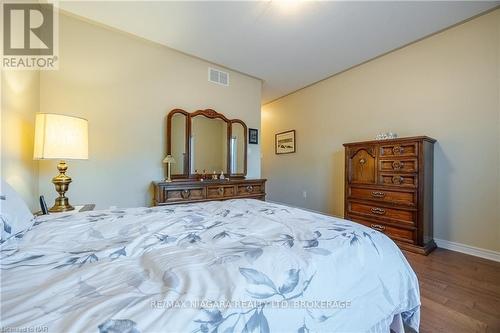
column 20, row 101
column 125, row 87
column 446, row 86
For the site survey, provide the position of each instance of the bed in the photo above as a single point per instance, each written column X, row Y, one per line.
column 222, row 266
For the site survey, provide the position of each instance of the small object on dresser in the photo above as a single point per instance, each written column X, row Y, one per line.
column 386, row 136
column 222, row 175
column 214, row 176
column 169, row 160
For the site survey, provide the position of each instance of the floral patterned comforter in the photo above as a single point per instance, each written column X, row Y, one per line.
column 233, row 266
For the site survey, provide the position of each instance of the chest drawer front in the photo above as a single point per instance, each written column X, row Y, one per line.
column 399, row 165
column 250, row 188
column 396, row 215
column 399, row 149
column 395, row 233
column 403, row 180
column 408, row 197
column 220, row 191
column 185, row 194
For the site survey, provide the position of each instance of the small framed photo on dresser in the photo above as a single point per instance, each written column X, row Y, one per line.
column 253, row 136
column 285, row 142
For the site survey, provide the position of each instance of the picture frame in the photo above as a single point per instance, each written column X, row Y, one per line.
column 253, row 136
column 284, row 142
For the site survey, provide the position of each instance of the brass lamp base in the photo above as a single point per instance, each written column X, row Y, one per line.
column 61, row 182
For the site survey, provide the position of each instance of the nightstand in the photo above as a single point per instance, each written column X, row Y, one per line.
column 78, row 209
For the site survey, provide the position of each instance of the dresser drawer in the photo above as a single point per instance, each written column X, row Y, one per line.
column 184, row 194
column 396, row 179
column 408, row 197
column 399, row 234
column 399, row 165
column 395, row 215
column 250, row 189
column 399, row 149
column 214, row 192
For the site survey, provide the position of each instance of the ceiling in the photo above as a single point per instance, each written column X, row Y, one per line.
column 288, row 44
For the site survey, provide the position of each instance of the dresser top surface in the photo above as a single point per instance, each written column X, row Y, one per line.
column 389, row 141
column 209, row 181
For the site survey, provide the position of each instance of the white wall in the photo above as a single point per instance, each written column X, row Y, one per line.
column 125, row 87
column 20, row 101
column 446, row 86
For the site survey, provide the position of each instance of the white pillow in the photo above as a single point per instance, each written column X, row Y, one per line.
column 15, row 216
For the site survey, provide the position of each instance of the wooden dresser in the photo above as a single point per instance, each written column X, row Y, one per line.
column 190, row 190
column 389, row 187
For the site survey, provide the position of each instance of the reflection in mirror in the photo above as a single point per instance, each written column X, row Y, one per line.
column 237, row 148
column 178, row 144
column 208, row 145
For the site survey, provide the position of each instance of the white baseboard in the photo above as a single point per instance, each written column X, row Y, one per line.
column 467, row 249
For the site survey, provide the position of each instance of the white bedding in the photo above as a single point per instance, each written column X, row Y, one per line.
column 157, row 269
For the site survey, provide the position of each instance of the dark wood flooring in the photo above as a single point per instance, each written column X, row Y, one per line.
column 459, row 293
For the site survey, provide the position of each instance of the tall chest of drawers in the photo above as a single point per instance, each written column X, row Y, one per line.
column 389, row 187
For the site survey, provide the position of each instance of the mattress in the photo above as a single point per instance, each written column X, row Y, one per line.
column 221, row 266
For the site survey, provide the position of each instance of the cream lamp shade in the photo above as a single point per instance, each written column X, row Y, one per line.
column 169, row 159
column 60, row 137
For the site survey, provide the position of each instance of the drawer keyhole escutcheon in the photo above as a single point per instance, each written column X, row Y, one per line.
column 397, row 165
column 221, row 190
column 378, row 211
column 397, row 150
column 397, row 180
column 185, row 194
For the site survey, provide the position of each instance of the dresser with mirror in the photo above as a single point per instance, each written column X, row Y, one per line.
column 209, row 152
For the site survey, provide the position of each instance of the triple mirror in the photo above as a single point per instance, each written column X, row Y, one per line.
column 205, row 141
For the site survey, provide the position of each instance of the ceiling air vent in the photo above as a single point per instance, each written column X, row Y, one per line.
column 217, row 76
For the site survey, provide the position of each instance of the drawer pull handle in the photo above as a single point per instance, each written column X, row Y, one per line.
column 378, row 211
column 377, row 194
column 397, row 180
column 397, row 165
column 185, row 194
column 221, row 190
column 398, row 150
column 249, row 188
column 377, row 227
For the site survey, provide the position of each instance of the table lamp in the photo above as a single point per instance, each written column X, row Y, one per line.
column 168, row 160
column 63, row 138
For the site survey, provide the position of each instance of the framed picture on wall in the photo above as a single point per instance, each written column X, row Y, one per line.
column 253, row 136
column 285, row 142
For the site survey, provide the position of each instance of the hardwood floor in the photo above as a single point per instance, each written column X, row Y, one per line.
column 459, row 293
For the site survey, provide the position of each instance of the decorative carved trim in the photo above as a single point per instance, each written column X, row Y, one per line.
column 353, row 151
column 209, row 113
